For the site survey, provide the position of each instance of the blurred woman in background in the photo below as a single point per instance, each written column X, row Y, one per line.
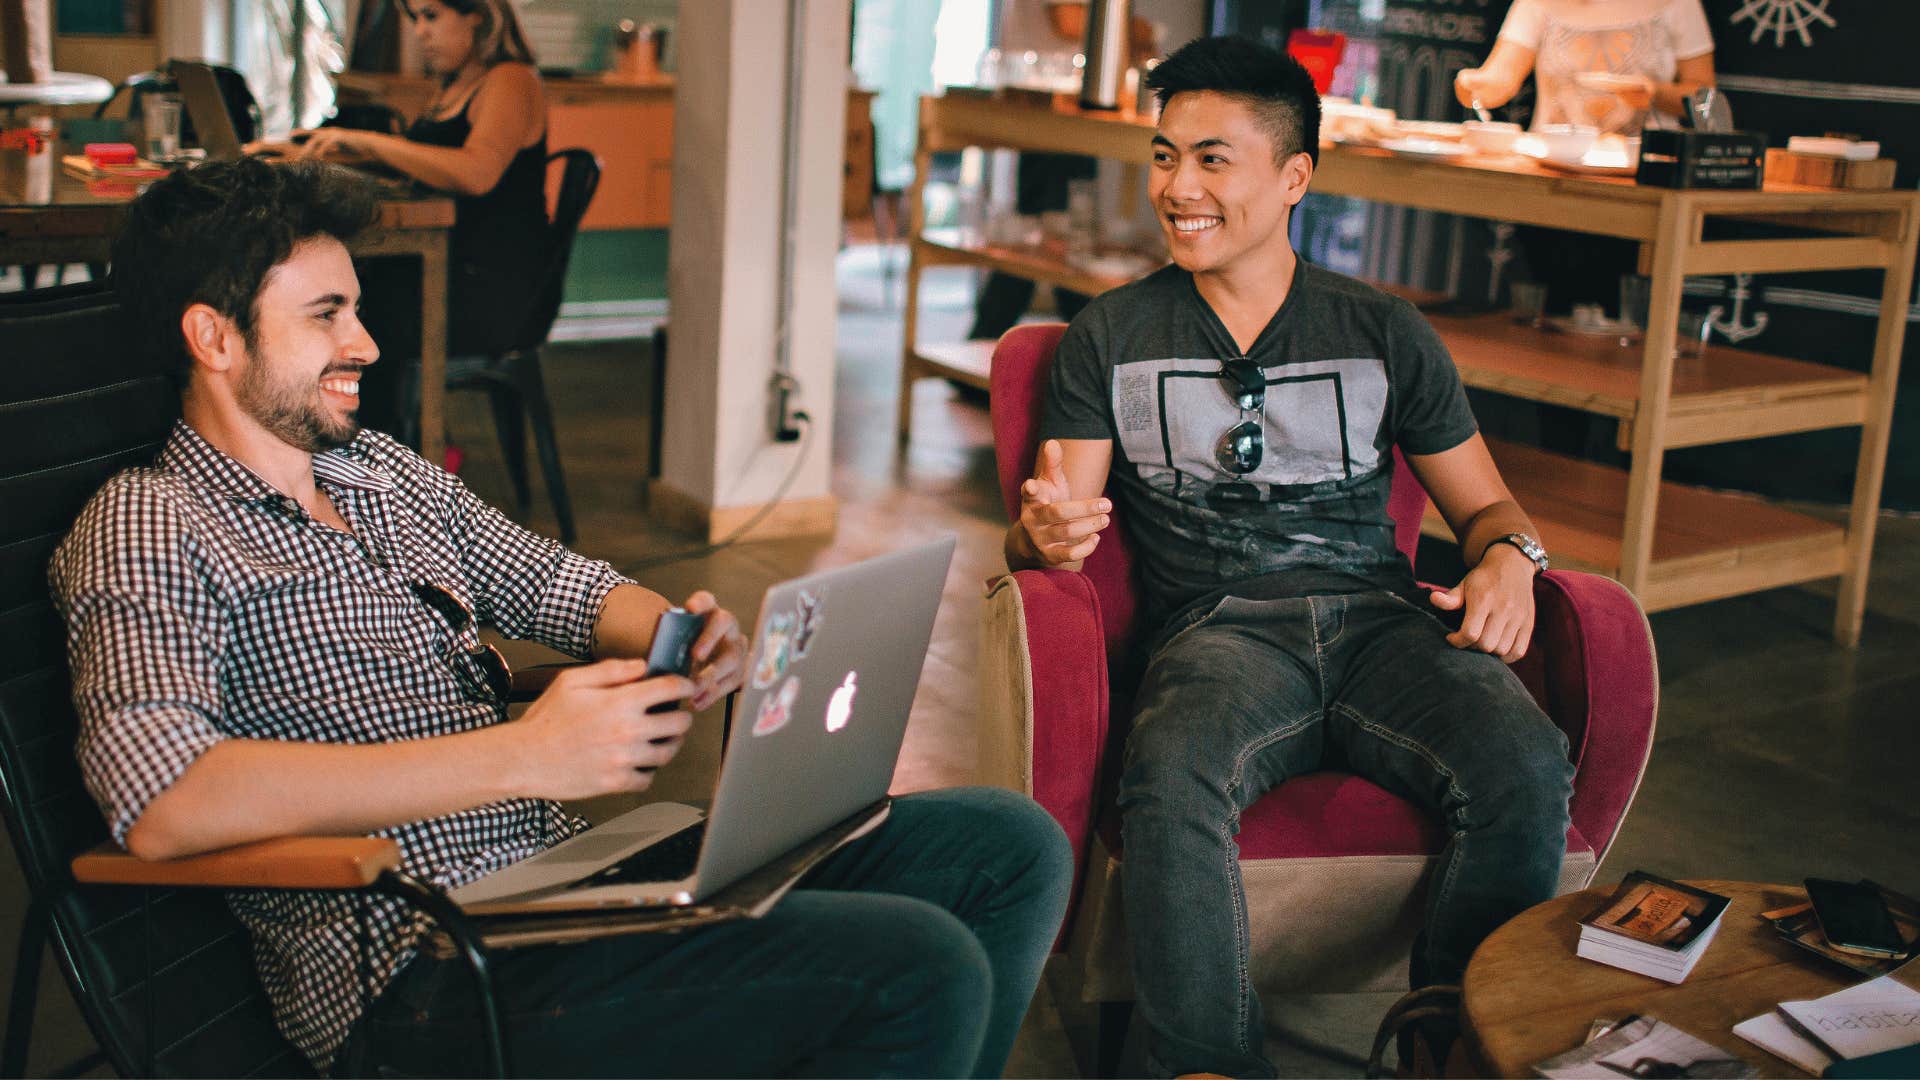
column 483, row 140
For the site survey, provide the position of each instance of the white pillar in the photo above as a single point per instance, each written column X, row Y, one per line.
column 719, row 461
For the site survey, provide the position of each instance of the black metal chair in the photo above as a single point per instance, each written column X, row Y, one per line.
column 515, row 387
column 162, row 970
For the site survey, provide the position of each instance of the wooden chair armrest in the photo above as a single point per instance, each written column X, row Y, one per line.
column 291, row 862
column 530, row 683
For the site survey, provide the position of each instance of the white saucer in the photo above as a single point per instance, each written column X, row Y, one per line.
column 1425, row 148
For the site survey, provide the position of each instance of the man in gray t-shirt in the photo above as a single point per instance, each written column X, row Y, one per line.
column 1238, row 412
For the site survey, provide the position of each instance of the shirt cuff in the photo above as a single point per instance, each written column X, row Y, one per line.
column 139, row 760
column 571, row 605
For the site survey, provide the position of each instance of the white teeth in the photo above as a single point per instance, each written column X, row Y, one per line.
column 350, row 387
column 1195, row 224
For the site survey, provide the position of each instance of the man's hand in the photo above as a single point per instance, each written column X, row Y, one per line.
column 720, row 653
column 591, row 734
column 1058, row 529
column 1498, row 597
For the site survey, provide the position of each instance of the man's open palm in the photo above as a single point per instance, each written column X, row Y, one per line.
column 1060, row 529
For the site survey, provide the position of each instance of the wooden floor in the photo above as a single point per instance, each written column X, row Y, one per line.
column 1778, row 756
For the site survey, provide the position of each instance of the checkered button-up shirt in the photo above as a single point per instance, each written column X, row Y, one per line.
column 204, row 605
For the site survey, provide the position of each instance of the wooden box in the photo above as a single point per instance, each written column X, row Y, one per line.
column 1830, row 172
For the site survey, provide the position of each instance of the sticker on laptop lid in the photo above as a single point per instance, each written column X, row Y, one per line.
column 777, row 708
column 808, row 620
column 774, row 655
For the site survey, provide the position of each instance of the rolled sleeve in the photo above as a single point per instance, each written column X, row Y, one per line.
column 144, row 646
column 529, row 587
column 570, row 604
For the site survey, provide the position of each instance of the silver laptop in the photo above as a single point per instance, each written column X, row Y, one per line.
column 200, row 92
column 834, row 664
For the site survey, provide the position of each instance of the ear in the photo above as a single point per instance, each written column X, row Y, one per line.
column 1296, row 174
column 211, row 338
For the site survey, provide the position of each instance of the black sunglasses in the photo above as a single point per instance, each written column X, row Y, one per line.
column 495, row 676
column 1239, row 450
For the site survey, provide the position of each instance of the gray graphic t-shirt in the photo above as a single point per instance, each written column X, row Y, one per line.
column 1350, row 371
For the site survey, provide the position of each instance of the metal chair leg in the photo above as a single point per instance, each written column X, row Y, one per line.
column 26, row 990
column 455, row 923
column 524, row 367
column 509, row 423
column 1115, row 1016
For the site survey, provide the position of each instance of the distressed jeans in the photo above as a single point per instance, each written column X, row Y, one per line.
column 1251, row 693
column 913, row 951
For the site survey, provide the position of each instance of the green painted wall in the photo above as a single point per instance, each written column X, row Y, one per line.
column 618, row 264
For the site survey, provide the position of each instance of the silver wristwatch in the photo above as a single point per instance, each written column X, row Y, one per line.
column 1528, row 546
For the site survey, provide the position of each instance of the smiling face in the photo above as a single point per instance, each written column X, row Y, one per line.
column 447, row 38
column 301, row 380
column 1222, row 198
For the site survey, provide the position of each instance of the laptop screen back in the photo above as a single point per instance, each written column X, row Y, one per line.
column 200, row 90
column 831, row 676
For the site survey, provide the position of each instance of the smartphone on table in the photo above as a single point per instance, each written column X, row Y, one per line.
column 1854, row 918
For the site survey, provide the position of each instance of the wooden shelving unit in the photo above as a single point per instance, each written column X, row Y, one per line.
column 1671, row 544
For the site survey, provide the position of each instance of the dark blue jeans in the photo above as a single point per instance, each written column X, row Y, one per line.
column 1254, row 692
column 913, row 951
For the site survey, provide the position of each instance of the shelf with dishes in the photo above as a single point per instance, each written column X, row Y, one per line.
column 1707, row 545
column 1047, row 261
column 1722, row 395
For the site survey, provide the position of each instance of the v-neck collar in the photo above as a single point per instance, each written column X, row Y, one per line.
column 1211, row 318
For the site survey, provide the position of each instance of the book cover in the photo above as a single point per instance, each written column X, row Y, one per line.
column 1657, row 912
column 1858, row 1026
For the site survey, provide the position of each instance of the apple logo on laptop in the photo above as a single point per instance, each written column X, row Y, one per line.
column 840, row 706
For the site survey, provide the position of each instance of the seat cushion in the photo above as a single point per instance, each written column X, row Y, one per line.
column 1335, row 813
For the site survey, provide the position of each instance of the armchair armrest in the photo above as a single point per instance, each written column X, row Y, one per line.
column 291, row 862
column 1592, row 667
column 1042, row 629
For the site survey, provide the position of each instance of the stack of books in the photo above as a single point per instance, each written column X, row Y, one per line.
column 1652, row 926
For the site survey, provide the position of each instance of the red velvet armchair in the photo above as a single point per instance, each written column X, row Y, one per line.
column 1334, row 866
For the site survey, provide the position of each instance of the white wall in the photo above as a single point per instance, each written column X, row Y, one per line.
column 729, row 119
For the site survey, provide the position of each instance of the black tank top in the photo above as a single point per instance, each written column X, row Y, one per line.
column 498, row 247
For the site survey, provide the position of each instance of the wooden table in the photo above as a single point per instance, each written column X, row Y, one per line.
column 50, row 216
column 1528, row 997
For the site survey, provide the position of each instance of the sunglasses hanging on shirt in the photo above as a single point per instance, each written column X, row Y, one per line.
column 1243, row 445
column 495, row 677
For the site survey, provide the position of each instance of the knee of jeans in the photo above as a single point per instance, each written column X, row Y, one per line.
column 1530, row 793
column 934, row 964
column 1031, row 839
column 1166, row 771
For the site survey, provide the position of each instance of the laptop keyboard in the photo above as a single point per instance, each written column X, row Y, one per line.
column 669, row 860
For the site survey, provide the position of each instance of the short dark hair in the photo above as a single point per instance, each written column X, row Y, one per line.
column 209, row 235
column 1273, row 84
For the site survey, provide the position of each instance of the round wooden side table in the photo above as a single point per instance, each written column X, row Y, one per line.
column 1527, row 997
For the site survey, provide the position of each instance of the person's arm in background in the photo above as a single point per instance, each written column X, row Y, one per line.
column 1494, row 83
column 1692, row 75
column 507, row 112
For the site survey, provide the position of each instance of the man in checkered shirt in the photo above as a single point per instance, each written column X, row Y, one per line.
column 273, row 631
